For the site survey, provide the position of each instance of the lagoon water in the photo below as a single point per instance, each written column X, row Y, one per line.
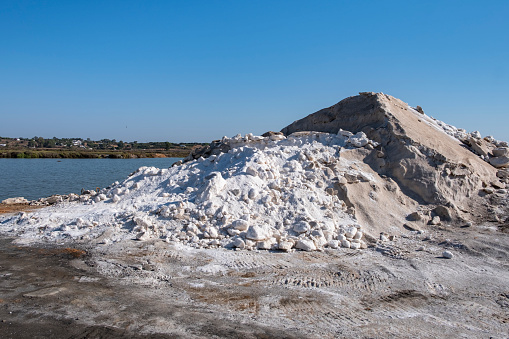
column 38, row 178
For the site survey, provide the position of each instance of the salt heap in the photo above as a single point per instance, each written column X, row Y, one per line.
column 313, row 185
column 271, row 192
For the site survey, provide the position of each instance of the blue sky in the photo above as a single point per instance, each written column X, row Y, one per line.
column 197, row 70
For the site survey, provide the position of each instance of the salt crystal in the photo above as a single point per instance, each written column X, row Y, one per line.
column 238, row 243
column 257, row 233
column 240, row 225
column 447, row 255
column 301, row 227
column 305, row 245
column 345, row 243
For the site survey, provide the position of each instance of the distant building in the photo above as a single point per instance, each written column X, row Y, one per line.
column 3, row 145
column 76, row 142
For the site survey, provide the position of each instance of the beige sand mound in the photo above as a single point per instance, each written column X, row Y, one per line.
column 416, row 157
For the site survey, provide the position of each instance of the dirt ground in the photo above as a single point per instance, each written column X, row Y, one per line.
column 402, row 288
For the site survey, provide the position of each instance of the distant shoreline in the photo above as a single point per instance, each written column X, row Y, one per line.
column 77, row 148
column 91, row 154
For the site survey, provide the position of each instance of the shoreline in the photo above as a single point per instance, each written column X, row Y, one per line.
column 54, row 194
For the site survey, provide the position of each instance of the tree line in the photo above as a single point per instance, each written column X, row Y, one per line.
column 103, row 144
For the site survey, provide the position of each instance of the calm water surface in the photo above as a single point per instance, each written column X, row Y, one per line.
column 38, row 178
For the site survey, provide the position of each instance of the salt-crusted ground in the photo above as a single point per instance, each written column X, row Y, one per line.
column 396, row 230
column 402, row 288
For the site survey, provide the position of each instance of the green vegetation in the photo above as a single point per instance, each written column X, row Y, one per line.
column 38, row 147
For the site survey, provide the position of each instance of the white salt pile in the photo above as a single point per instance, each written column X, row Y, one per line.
column 265, row 193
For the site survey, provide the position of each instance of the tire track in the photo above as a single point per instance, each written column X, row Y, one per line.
column 320, row 313
column 367, row 281
column 242, row 261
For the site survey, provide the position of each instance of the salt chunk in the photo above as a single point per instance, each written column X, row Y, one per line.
column 240, row 225
column 214, row 242
column 142, row 236
column 351, row 231
column 252, row 193
column 305, row 245
column 436, row 220
column 212, row 189
column 345, row 243
column 344, row 133
column 266, row 244
column 250, row 243
column 447, row 255
column 274, row 186
column 213, row 232
column 357, row 235
column 285, row 245
column 238, row 243
column 117, row 191
column 333, row 244
column 355, row 245
column 359, row 140
column 320, row 241
column 233, row 232
column 301, row 226
column 257, row 233
column 277, row 137
column 476, row 134
column 251, row 171
column 143, row 222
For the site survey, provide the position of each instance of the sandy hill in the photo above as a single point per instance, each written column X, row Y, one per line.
column 437, row 166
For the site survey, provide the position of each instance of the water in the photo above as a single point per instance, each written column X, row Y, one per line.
column 38, row 178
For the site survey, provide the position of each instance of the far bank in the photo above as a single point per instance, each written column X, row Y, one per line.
column 92, row 154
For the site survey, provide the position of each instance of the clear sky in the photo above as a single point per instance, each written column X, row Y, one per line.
column 197, row 70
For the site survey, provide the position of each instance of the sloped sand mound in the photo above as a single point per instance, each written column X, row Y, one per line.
column 432, row 163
